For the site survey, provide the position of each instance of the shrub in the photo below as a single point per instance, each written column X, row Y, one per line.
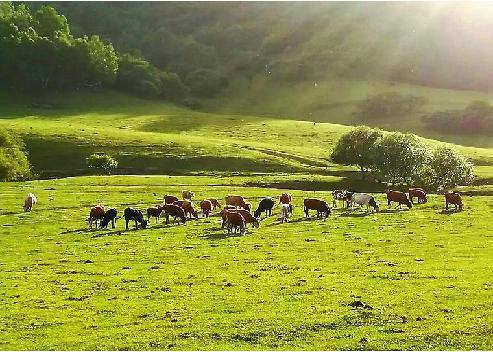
column 205, row 82
column 172, row 87
column 101, row 162
column 389, row 104
column 14, row 165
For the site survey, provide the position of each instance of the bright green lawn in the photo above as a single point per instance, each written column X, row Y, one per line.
column 425, row 273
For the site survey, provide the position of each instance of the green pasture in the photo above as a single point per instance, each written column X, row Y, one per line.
column 410, row 279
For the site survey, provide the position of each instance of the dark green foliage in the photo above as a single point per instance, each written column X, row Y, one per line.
column 205, row 82
column 389, row 104
column 477, row 117
column 102, row 162
column 38, row 52
column 356, row 147
column 172, row 87
column 14, row 165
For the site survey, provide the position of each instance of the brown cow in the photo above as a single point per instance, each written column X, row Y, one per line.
column 187, row 195
column 237, row 201
column 419, row 193
column 175, row 211
column 154, row 212
column 235, row 222
column 316, row 204
column 249, row 219
column 399, row 197
column 215, row 203
column 206, row 207
column 453, row 198
column 170, row 199
column 96, row 213
column 187, row 205
column 29, row 202
column 285, row 198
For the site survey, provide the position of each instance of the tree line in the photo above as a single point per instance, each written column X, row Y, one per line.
column 402, row 159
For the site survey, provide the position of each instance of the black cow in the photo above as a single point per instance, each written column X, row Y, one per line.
column 110, row 215
column 135, row 215
column 266, row 205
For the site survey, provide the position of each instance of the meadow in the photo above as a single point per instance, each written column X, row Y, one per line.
column 410, row 279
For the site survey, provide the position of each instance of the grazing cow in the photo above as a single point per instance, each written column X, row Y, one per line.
column 419, row 193
column 135, row 215
column 364, row 199
column 399, row 197
column 187, row 195
column 453, row 198
column 266, row 205
column 286, row 211
column 249, row 218
column 343, row 195
column 285, row 198
column 237, row 201
column 215, row 203
column 235, row 222
column 187, row 205
column 170, row 199
column 154, row 212
column 96, row 213
column 109, row 215
column 316, row 204
column 29, row 202
column 175, row 211
column 206, row 207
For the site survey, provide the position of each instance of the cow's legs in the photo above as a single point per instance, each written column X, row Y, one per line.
column 126, row 224
column 446, row 205
column 112, row 223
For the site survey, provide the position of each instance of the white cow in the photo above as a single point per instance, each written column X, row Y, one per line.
column 29, row 202
column 364, row 199
column 286, row 211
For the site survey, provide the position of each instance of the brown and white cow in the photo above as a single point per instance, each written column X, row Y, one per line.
column 29, row 202
column 316, row 204
column 168, row 199
column 453, row 198
column 174, row 211
column 285, row 198
column 399, row 197
column 96, row 213
column 206, row 207
column 249, row 218
column 187, row 195
column 215, row 203
column 235, row 222
column 187, row 206
column 237, row 201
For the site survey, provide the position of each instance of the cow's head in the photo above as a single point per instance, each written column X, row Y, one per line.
column 374, row 204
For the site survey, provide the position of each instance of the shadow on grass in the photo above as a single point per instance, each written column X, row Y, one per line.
column 449, row 212
column 349, row 214
column 218, row 233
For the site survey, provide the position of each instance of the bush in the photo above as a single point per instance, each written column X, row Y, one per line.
column 389, row 104
column 137, row 76
column 14, row 165
column 172, row 87
column 101, row 162
column 205, row 82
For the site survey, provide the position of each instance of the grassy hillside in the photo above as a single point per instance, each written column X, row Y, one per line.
column 329, row 100
column 423, row 276
column 153, row 137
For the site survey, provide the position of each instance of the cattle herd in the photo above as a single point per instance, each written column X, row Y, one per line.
column 237, row 213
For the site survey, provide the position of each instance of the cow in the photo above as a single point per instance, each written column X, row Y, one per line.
column 235, row 222
column 188, row 195
column 285, row 198
column 167, row 199
column 399, row 197
column 286, row 211
column 187, row 205
column 247, row 207
column 316, row 204
column 96, row 213
column 29, row 202
column 419, row 193
column 154, row 212
column 175, row 211
column 249, row 218
column 364, row 199
column 135, row 215
column 206, row 207
column 343, row 195
column 237, row 201
column 109, row 215
column 215, row 203
column 453, row 198
column 265, row 205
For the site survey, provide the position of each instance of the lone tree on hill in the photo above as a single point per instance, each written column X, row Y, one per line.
column 102, row 162
column 356, row 148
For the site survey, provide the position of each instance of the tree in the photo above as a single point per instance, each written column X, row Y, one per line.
column 399, row 158
column 102, row 162
column 14, row 165
column 356, row 148
column 205, row 82
column 446, row 169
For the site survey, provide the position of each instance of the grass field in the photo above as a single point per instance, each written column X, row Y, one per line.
column 423, row 276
